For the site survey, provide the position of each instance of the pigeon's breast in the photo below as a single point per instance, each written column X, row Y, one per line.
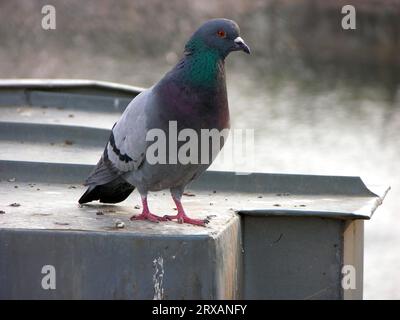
column 194, row 107
column 177, row 108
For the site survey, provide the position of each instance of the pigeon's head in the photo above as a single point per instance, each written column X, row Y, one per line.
column 220, row 35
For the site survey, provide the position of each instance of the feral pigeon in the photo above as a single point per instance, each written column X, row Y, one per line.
column 192, row 96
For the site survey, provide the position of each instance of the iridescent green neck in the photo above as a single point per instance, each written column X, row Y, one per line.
column 202, row 64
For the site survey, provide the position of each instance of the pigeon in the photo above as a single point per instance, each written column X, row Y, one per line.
column 192, row 95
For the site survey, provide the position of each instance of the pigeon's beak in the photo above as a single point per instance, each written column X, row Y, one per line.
column 240, row 45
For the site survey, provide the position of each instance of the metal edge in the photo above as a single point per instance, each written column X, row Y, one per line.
column 210, row 179
column 53, row 172
column 30, row 131
column 303, row 213
column 121, row 233
column 377, row 202
column 300, row 183
column 229, row 179
column 67, row 83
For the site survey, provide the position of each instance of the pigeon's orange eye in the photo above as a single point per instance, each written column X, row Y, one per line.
column 221, row 34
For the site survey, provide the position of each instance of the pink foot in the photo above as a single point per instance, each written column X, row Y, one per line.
column 183, row 218
column 146, row 214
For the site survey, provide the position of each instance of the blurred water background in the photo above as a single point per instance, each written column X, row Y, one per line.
column 322, row 100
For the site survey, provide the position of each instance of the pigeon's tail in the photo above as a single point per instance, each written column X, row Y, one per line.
column 114, row 191
column 106, row 184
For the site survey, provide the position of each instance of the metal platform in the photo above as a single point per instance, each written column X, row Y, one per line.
column 270, row 236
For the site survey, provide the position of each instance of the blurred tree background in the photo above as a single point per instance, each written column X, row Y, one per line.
column 322, row 100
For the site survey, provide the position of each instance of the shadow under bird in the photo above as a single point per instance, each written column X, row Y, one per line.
column 193, row 94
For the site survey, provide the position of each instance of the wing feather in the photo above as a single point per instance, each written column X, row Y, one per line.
column 127, row 146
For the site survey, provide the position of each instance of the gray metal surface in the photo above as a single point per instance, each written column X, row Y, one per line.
column 107, row 266
column 242, row 196
column 281, row 245
column 300, row 258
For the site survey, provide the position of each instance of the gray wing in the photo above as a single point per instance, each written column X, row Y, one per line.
column 127, row 146
column 126, row 149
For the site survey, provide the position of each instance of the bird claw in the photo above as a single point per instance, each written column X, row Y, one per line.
column 185, row 219
column 148, row 216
